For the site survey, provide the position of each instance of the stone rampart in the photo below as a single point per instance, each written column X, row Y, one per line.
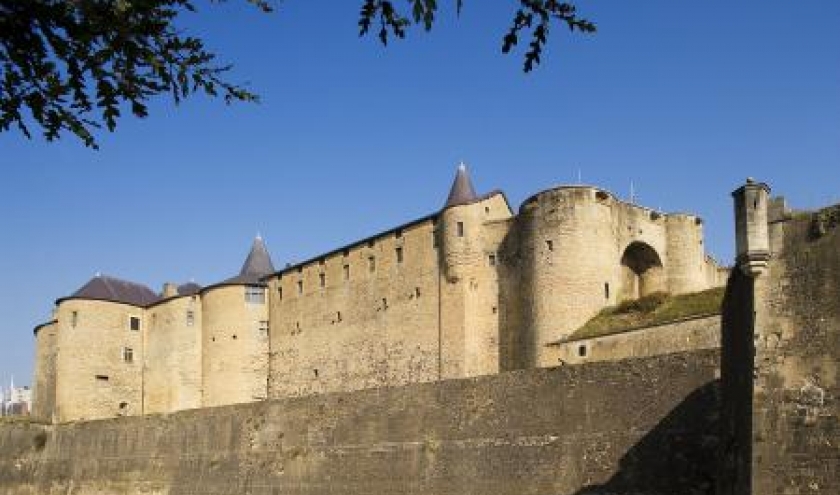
column 645, row 426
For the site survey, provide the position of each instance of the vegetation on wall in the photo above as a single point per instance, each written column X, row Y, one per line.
column 653, row 309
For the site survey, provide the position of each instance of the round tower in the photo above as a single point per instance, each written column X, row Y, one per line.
column 43, row 393
column 235, row 333
column 686, row 261
column 570, row 264
column 460, row 221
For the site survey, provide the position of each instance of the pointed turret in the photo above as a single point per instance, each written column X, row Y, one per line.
column 258, row 261
column 257, row 265
column 462, row 191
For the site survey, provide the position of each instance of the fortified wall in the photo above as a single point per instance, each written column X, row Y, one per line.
column 759, row 416
column 473, row 289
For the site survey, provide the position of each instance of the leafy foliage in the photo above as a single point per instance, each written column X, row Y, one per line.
column 535, row 16
column 76, row 64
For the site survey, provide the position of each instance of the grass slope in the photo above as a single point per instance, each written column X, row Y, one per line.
column 653, row 309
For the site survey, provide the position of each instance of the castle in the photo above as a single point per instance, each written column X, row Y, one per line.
column 473, row 289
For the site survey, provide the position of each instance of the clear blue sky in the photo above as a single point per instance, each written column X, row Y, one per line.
column 684, row 99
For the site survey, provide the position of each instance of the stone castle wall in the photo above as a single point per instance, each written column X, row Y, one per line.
column 234, row 346
column 580, row 249
column 795, row 416
column 643, row 426
column 43, row 393
column 173, row 356
column 694, row 333
column 93, row 377
column 472, row 290
column 392, row 310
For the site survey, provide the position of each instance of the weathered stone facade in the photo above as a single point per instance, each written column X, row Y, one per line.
column 473, row 289
column 657, row 411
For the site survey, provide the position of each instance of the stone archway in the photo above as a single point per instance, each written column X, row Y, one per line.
column 641, row 271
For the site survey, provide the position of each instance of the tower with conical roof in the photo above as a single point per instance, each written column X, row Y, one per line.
column 468, row 323
column 235, row 332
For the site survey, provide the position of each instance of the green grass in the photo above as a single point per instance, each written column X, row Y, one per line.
column 653, row 309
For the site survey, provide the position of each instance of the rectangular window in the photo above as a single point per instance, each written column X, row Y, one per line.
column 399, row 252
column 322, row 277
column 263, row 325
column 280, row 293
column 346, row 272
column 134, row 323
column 372, row 264
column 102, row 378
column 190, row 317
column 254, row 295
column 128, row 354
column 74, row 319
column 549, row 245
column 300, row 286
column 491, row 260
column 606, row 290
column 460, row 229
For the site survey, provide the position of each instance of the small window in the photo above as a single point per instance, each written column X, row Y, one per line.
column 263, row 325
column 254, row 295
column 491, row 260
column 371, row 243
column 417, row 292
column 346, row 272
column 134, row 323
column 495, row 309
column 487, row 210
column 300, row 286
column 372, row 264
column 338, row 316
column 74, row 319
column 549, row 244
column 190, row 317
column 315, row 371
column 102, row 378
column 384, row 303
column 345, row 253
column 128, row 354
column 606, row 290
column 321, row 261
column 398, row 233
column 322, row 279
column 399, row 252
column 582, row 351
column 460, row 229
column 233, row 336
column 280, row 293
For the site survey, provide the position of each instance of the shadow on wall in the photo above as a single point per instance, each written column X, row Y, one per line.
column 677, row 457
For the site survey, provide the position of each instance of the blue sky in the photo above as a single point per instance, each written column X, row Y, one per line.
column 683, row 99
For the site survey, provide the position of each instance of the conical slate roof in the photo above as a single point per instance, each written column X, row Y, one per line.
column 462, row 191
column 189, row 289
column 116, row 290
column 257, row 265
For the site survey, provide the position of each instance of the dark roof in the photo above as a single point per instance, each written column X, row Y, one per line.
column 113, row 289
column 189, row 289
column 257, row 265
column 462, row 191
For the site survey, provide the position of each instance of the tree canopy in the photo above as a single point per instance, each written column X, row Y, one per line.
column 76, row 65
